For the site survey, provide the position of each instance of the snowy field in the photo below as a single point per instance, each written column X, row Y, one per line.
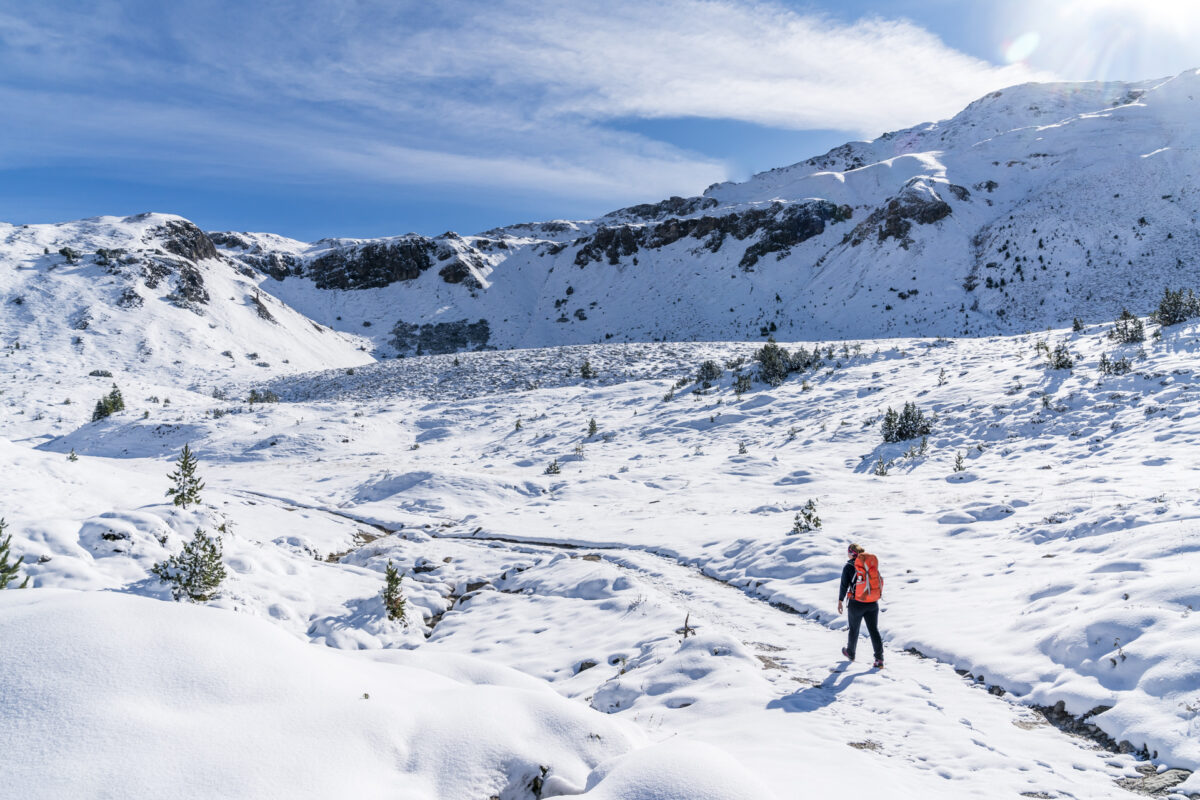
column 544, row 652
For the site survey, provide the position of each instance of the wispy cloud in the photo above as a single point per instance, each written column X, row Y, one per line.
column 510, row 93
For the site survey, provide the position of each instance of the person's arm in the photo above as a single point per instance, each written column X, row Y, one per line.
column 847, row 576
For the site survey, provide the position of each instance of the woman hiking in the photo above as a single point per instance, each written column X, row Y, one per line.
column 862, row 583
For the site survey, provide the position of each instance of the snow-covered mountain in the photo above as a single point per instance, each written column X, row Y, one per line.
column 620, row 582
column 1034, row 205
column 150, row 294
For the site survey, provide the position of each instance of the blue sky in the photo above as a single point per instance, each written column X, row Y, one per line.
column 378, row 117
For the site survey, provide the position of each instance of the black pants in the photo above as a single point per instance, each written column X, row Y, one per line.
column 856, row 613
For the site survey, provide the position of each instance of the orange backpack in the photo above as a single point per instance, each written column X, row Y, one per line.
column 868, row 584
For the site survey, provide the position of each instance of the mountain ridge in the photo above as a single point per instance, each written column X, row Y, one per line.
column 1034, row 205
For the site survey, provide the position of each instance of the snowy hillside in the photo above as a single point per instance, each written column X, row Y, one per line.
column 617, row 523
column 149, row 295
column 1035, row 204
column 1049, row 579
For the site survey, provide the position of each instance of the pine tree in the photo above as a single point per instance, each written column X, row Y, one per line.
column 108, row 405
column 807, row 519
column 393, row 600
column 186, row 490
column 909, row 423
column 1176, row 307
column 959, row 466
column 1128, row 329
column 553, row 468
column 1077, row 325
column 1061, row 358
column 709, row 371
column 592, row 427
column 8, row 572
column 72, row 456
column 774, row 363
column 586, row 372
column 197, row 572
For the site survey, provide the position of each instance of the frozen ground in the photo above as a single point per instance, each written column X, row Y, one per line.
column 546, row 610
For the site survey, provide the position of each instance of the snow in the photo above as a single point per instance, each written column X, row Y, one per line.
column 143, row 698
column 1052, row 199
column 1070, row 584
column 644, row 623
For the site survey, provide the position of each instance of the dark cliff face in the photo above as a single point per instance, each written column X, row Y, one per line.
column 779, row 227
column 916, row 202
column 185, row 240
column 671, row 207
column 373, row 265
column 379, row 264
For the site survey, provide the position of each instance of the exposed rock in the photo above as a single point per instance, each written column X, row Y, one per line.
column 261, row 308
column 1059, row 717
column 229, row 239
column 672, row 206
column 917, row 202
column 184, row 239
column 373, row 265
column 458, row 271
column 440, row 337
column 796, row 224
column 129, row 298
column 154, row 270
column 1154, row 782
column 784, row 226
column 189, row 289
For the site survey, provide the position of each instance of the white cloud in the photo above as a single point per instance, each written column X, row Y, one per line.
column 755, row 62
column 511, row 93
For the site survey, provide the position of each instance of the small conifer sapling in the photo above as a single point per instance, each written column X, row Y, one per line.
column 807, row 519
column 196, row 573
column 186, row 490
column 9, row 571
column 393, row 600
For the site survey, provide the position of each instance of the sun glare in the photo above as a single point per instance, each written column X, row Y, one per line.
column 1101, row 39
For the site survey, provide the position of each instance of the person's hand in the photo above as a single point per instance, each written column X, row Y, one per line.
column 839, row 606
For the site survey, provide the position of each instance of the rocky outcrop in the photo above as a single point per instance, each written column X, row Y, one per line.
column 184, row 239
column 671, row 207
column 440, row 337
column 189, row 290
column 795, row 224
column 373, row 265
column 781, row 227
column 917, row 202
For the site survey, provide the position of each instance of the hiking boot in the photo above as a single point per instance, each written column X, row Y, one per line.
column 879, row 663
column 846, row 653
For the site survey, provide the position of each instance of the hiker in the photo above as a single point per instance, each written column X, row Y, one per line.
column 864, row 587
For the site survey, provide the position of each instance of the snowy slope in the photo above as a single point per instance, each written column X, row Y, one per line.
column 1034, row 205
column 147, row 698
column 1055, row 570
column 1045, row 582
column 148, row 295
